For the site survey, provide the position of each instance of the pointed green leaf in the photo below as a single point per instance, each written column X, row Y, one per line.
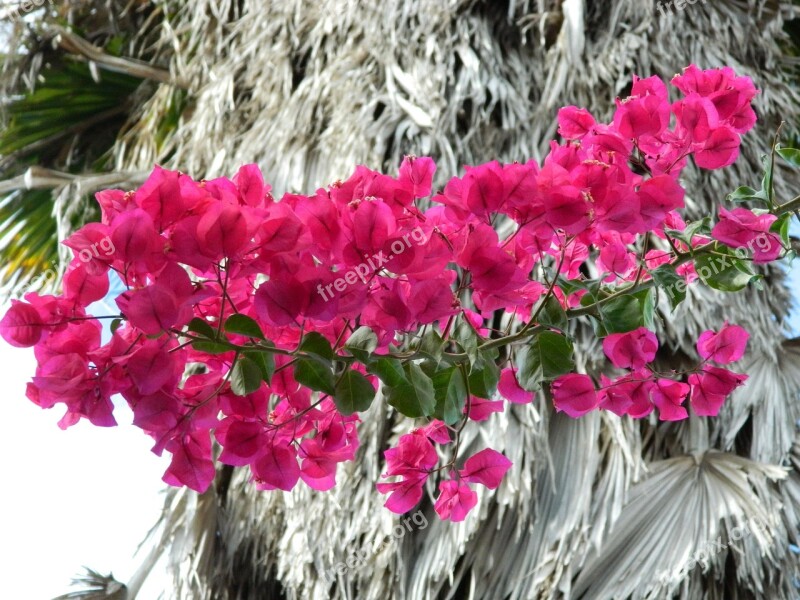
column 243, row 325
column 552, row 314
column 450, row 393
column 265, row 362
column 746, row 194
column 202, row 327
column 354, row 393
column 414, row 397
column 622, row 314
column 483, row 380
column 790, row 155
column 431, row 345
column 362, row 343
column 389, row 371
column 245, row 376
column 314, row 374
column 724, row 273
column 547, row 356
column 316, row 343
column 670, row 283
column 210, row 347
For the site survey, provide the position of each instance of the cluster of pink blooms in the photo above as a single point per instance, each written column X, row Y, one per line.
column 415, row 458
column 207, row 250
column 642, row 389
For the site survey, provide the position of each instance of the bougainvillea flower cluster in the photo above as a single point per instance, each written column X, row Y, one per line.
column 264, row 326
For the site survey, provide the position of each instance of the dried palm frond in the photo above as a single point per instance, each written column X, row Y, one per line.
column 96, row 587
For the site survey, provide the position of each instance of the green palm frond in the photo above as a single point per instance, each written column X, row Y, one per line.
column 29, row 231
column 69, row 121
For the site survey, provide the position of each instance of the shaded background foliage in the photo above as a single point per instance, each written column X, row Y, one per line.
column 96, row 93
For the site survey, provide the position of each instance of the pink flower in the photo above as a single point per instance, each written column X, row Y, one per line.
column 510, row 389
column 668, row 396
column 574, row 123
column 642, row 115
column 724, row 347
column 481, row 409
column 419, row 173
column 720, row 149
column 711, row 387
column 152, row 309
column 742, row 228
column 631, row 350
column 250, row 182
column 574, row 394
column 628, row 395
column 487, row 467
column 405, row 494
column 223, row 230
column 659, row 196
column 455, row 500
column 277, row 468
column 191, row 464
column 22, row 325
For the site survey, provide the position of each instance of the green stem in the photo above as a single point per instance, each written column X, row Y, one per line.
column 791, row 206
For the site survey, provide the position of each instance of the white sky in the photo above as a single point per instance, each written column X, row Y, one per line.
column 84, row 496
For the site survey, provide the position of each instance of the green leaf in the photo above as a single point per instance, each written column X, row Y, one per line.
column 413, row 398
column 552, row 314
column 648, row 302
column 672, row 284
column 388, row 370
column 354, row 393
column 431, row 345
column 483, row 380
column 547, row 356
column 243, row 325
column 315, row 374
column 568, row 286
column 316, row 343
column 781, row 227
column 469, row 340
column 769, row 174
column 450, row 393
column 210, row 347
column 745, row 194
column 265, row 362
column 202, row 327
column 362, row 343
column 724, row 273
column 790, row 155
column 622, row 314
column 115, row 324
column 246, row 376
column 701, row 227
